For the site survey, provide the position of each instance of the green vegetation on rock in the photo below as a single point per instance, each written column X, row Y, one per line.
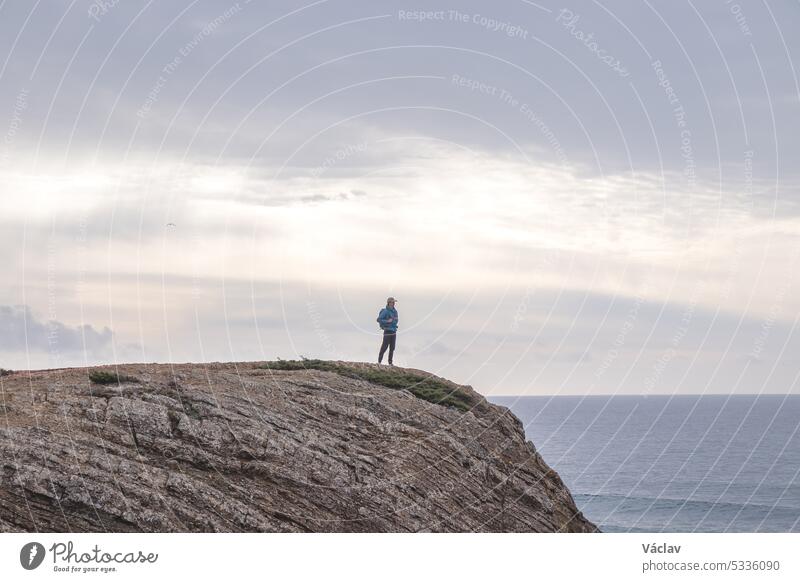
column 425, row 387
column 104, row 377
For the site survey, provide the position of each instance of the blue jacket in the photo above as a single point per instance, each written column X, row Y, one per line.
column 384, row 317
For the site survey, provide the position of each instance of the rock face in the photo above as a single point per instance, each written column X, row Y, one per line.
column 235, row 447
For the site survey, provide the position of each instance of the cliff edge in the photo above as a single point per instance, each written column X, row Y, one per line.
column 278, row 447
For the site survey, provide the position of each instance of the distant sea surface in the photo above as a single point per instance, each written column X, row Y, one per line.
column 673, row 464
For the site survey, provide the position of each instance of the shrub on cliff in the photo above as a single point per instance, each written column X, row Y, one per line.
column 425, row 387
column 105, row 377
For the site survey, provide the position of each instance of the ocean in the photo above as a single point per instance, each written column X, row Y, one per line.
column 673, row 463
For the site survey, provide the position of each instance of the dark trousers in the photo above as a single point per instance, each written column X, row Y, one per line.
column 389, row 341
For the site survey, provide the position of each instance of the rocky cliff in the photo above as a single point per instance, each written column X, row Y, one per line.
column 267, row 448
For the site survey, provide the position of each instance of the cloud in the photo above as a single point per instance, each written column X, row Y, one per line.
column 435, row 348
column 449, row 219
column 261, row 88
column 494, row 165
column 24, row 332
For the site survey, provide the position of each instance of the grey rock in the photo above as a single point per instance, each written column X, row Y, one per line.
column 232, row 447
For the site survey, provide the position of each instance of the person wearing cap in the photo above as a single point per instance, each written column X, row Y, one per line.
column 388, row 320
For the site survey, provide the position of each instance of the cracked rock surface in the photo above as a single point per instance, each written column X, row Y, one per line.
column 236, row 448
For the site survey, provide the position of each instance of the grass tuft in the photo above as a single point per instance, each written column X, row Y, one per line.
column 104, row 377
column 427, row 388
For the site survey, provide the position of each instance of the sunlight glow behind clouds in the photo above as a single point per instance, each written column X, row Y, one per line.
column 452, row 219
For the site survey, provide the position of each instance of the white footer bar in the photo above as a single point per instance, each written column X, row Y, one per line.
column 413, row 557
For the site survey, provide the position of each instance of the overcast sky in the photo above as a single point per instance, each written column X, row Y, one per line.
column 570, row 198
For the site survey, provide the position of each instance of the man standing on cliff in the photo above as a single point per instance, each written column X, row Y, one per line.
column 388, row 319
